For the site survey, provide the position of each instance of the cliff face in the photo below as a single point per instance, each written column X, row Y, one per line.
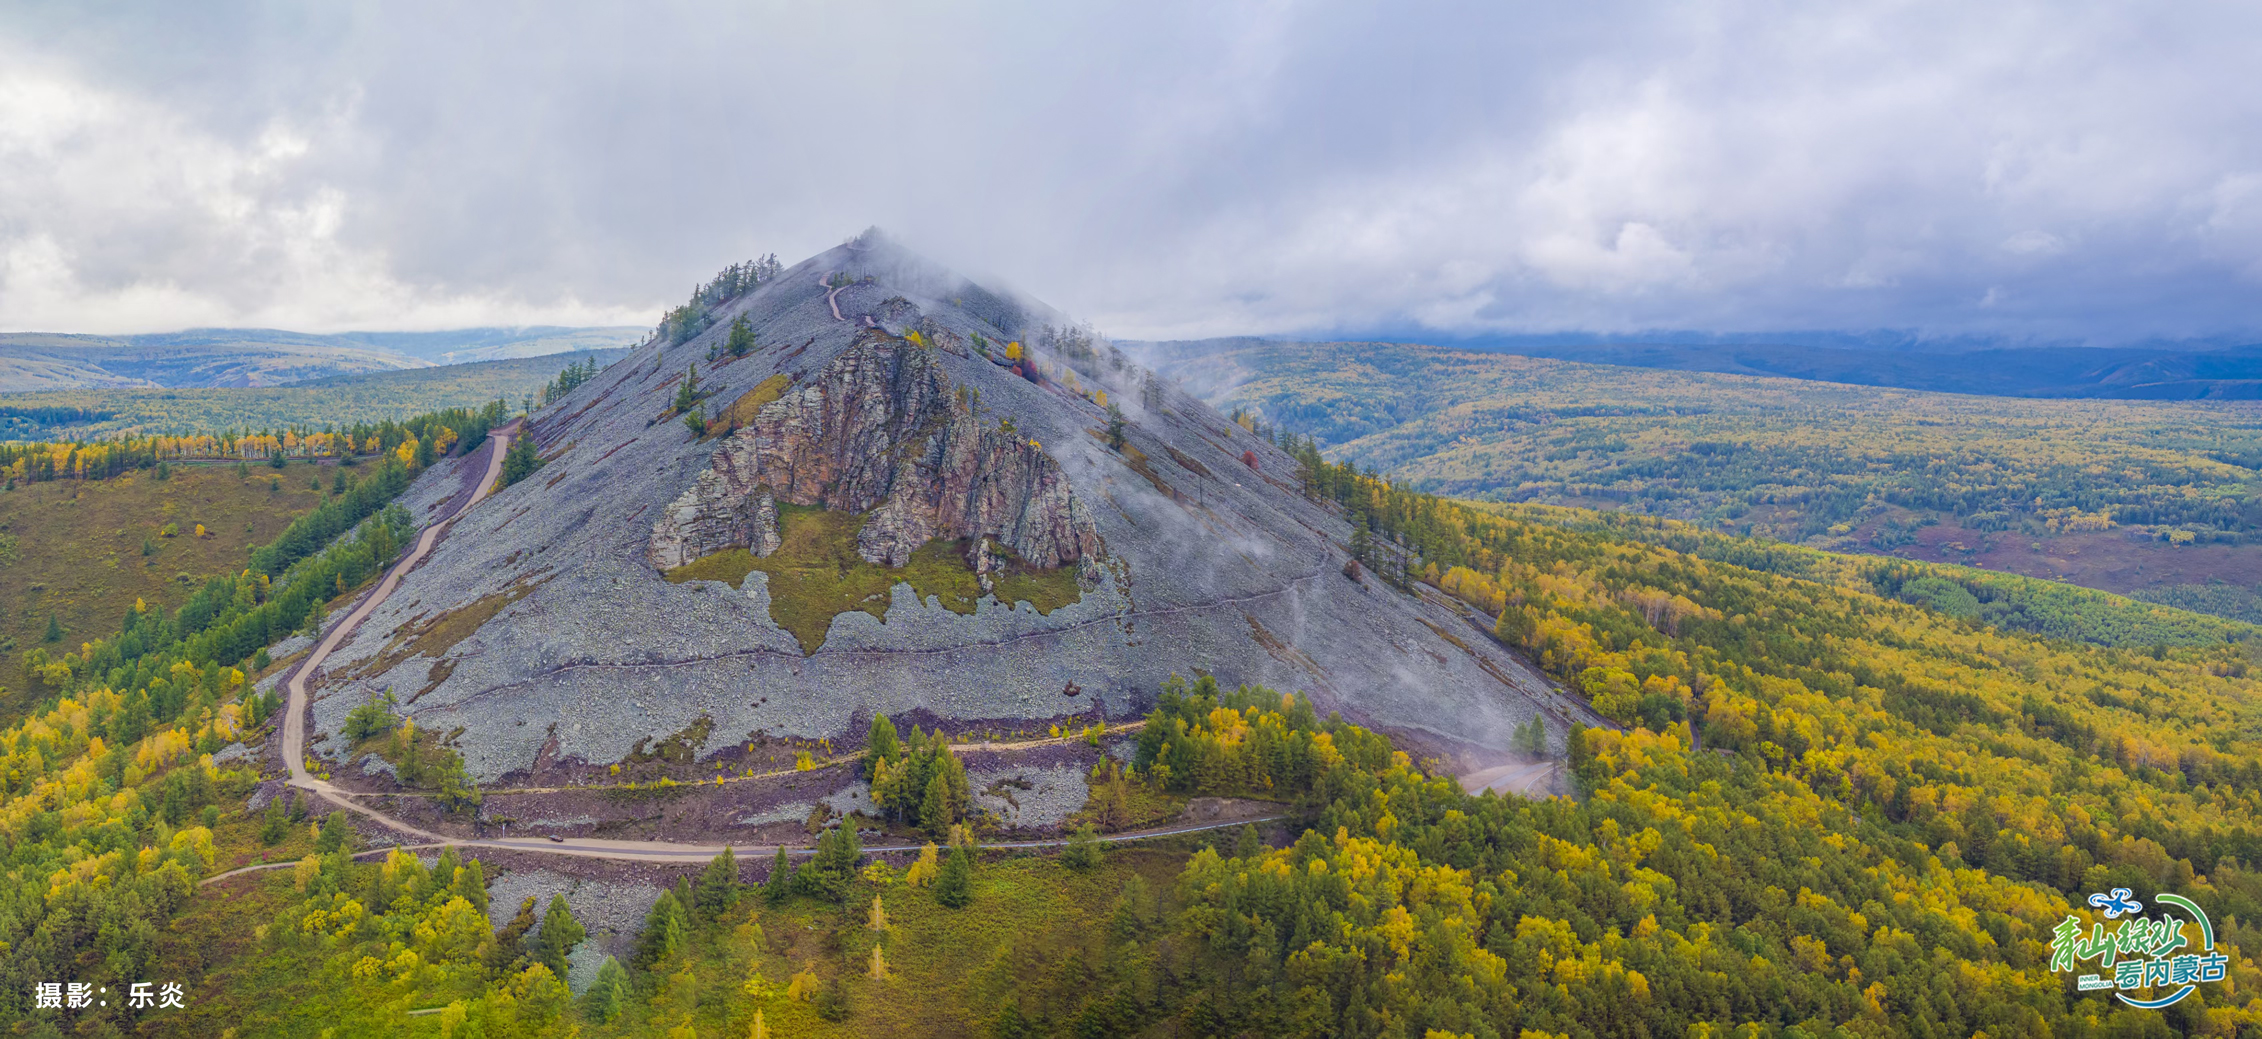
column 880, row 430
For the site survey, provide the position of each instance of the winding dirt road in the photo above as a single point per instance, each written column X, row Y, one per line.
column 294, row 718
column 1520, row 778
column 832, row 297
column 294, row 738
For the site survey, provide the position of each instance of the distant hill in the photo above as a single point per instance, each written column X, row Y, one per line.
column 1989, row 366
column 258, row 357
column 464, row 345
column 2151, row 498
column 334, row 400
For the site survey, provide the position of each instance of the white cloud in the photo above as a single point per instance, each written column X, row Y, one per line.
column 1173, row 169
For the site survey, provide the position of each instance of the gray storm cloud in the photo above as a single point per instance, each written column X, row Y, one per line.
column 1165, row 170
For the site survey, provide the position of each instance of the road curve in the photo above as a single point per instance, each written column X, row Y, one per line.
column 832, row 297
column 294, row 717
column 294, row 741
column 662, row 851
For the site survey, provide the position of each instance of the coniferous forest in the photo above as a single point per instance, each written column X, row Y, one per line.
column 1826, row 797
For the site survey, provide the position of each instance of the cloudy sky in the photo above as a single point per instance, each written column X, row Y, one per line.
column 1164, row 169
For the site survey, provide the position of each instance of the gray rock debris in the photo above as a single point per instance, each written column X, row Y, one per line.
column 1207, row 563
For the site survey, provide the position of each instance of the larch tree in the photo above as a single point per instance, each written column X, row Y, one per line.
column 718, row 886
column 779, row 884
column 954, row 885
column 560, row 934
column 663, row 929
column 924, row 868
column 602, row 1002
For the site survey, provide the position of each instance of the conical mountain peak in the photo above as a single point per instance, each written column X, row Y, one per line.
column 864, row 484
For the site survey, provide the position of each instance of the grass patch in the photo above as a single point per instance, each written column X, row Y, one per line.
column 741, row 411
column 816, row 575
column 1047, row 590
column 434, row 636
column 76, row 549
column 679, row 749
column 1137, row 460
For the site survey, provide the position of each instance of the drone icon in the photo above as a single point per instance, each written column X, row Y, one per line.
column 2116, row 903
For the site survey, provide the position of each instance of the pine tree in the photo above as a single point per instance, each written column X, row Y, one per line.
column 760, row 1030
column 663, row 929
column 718, row 886
column 687, row 391
column 54, row 628
column 471, row 886
column 935, row 810
column 954, row 885
column 686, row 899
column 877, row 919
column 510, row 943
column 741, row 337
column 602, row 1002
column 1115, row 428
column 274, row 825
column 879, row 967
column 1248, row 846
column 779, row 884
column 521, row 460
column 833, row 867
column 336, row 833
column 1083, row 850
column 881, row 744
column 560, row 933
column 1134, row 910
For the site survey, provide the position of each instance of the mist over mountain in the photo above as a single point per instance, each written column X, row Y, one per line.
column 872, row 486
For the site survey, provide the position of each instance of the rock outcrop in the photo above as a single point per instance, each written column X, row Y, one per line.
column 879, row 430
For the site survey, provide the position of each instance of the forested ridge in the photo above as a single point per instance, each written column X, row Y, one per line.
column 423, row 438
column 114, row 803
column 333, row 403
column 1769, row 457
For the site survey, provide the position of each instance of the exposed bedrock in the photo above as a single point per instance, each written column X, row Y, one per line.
column 880, row 430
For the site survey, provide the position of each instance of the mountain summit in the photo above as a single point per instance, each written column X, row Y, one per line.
column 895, row 492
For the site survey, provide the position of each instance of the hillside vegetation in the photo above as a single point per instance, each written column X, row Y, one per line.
column 1893, row 806
column 83, row 552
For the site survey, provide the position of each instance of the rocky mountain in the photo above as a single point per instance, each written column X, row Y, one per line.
column 898, row 494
